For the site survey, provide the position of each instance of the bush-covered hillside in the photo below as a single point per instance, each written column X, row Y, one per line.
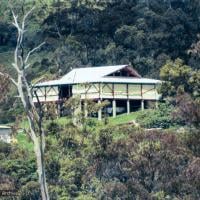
column 107, row 32
column 113, row 162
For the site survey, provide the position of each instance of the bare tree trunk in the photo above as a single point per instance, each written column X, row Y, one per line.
column 41, row 170
column 36, row 132
column 34, row 116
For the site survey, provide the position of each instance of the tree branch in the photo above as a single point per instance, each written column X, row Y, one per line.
column 19, row 40
column 32, row 51
column 16, row 67
column 25, row 17
column 9, row 77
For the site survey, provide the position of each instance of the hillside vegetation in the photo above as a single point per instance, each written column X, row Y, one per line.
column 114, row 32
column 108, row 162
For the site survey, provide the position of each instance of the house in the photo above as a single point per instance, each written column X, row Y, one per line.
column 121, row 85
column 5, row 133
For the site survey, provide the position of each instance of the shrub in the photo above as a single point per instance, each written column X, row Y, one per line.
column 160, row 118
column 52, row 170
column 143, row 165
column 30, row 191
column 190, row 137
column 53, row 128
column 105, row 138
column 85, row 197
column 5, row 148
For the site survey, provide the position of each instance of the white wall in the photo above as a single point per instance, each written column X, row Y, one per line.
column 135, row 91
column 5, row 134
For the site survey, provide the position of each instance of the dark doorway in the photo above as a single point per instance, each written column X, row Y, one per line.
column 65, row 91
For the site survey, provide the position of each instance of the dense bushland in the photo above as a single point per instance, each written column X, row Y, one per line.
column 113, row 162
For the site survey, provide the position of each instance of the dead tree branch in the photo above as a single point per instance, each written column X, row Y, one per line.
column 37, row 134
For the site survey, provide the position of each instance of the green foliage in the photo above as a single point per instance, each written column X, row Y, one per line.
column 119, row 161
column 52, row 170
column 157, row 118
column 20, row 170
column 85, row 197
column 30, row 191
column 19, row 165
column 182, row 85
column 68, row 137
column 124, row 30
column 123, row 119
column 5, row 148
column 70, row 175
column 187, row 110
column 160, row 196
column 179, row 78
column 176, row 76
column 142, row 165
column 114, row 190
column 53, row 128
column 105, row 138
column 190, row 137
column 24, row 142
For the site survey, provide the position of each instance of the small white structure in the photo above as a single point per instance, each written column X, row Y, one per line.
column 5, row 133
column 119, row 84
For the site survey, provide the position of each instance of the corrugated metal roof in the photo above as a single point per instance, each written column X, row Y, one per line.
column 95, row 75
column 130, row 80
column 48, row 83
column 89, row 74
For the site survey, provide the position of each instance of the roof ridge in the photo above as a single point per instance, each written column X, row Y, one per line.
column 100, row 66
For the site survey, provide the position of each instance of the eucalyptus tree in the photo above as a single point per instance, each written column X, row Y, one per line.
column 19, row 79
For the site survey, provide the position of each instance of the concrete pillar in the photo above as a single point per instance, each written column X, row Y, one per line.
column 156, row 104
column 128, row 107
column 85, row 109
column 114, row 108
column 59, row 110
column 99, row 112
column 142, row 104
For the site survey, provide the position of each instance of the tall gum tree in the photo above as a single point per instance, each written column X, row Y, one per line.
column 34, row 116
